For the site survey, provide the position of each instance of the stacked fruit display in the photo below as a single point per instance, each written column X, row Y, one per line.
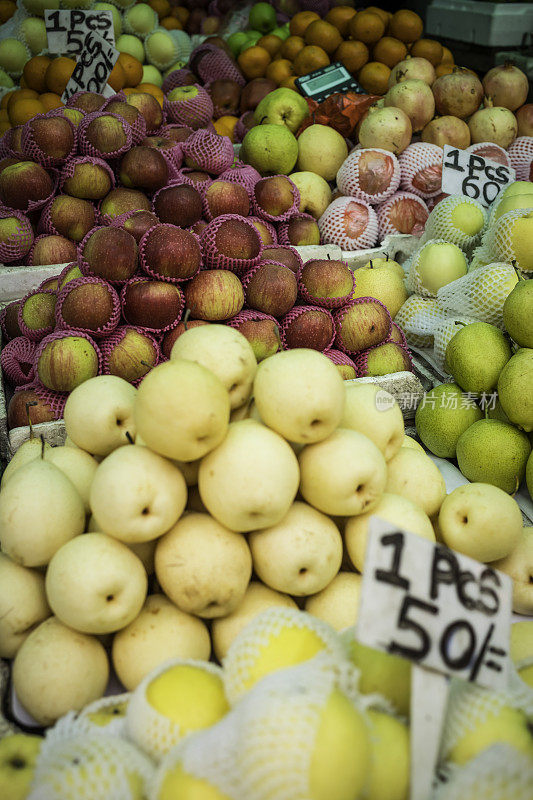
column 204, row 502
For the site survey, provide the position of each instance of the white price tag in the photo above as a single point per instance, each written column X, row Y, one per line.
column 93, row 67
column 436, row 607
column 67, row 30
column 474, row 176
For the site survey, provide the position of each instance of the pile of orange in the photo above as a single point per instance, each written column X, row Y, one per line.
column 170, row 17
column 369, row 43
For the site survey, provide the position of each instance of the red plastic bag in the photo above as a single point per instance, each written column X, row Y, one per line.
column 341, row 111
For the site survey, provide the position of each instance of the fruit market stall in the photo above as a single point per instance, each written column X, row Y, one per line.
column 266, row 406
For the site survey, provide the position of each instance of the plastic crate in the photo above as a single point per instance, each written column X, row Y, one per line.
column 487, row 24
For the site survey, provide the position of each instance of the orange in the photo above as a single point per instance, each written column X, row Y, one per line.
column 7, row 9
column 374, row 77
column 171, row 24
column 133, row 69
column 181, row 13
column 289, row 83
column 5, row 99
column 300, row 21
column 4, row 126
column 34, row 73
column 352, row 54
column 340, row 16
column 58, row 74
column 161, row 7
column 444, row 69
column 428, row 49
column 225, row 126
column 389, row 51
column 406, row 25
column 324, row 35
column 129, row 90
column 23, row 84
column 271, row 43
column 447, row 56
column 50, row 100
column 151, row 88
column 309, row 59
column 253, row 62
column 278, row 70
column 291, row 47
column 384, row 15
column 21, row 94
column 117, row 77
column 23, row 110
column 367, row 27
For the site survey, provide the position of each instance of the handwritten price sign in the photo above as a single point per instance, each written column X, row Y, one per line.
column 436, row 607
column 92, row 67
column 474, row 176
column 67, row 30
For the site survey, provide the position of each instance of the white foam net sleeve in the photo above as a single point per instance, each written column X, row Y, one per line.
column 76, row 723
column 521, row 157
column 370, row 173
column 414, row 279
column 440, row 223
column 445, row 331
column 480, row 293
column 509, row 241
column 349, row 222
column 152, row 731
column 248, row 645
column 418, row 318
column 498, row 773
column 91, row 768
column 421, row 169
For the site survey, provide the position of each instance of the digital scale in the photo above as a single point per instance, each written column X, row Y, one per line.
column 325, row 81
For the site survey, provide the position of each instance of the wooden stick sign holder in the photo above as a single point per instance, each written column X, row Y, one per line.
column 445, row 612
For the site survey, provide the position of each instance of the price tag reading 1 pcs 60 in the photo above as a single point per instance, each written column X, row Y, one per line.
column 474, row 176
column 92, row 68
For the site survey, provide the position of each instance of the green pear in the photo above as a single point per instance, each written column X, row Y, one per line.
column 378, row 263
column 514, row 389
column 442, row 416
column 477, row 446
column 495, row 411
column 262, row 17
column 383, row 284
column 517, row 187
column 476, row 355
column 389, row 771
column 382, row 672
column 271, row 149
column 511, row 204
column 18, row 754
column 529, row 475
column 518, row 313
column 29, row 450
column 282, row 107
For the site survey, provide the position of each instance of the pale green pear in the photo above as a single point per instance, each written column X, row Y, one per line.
column 476, row 355
column 518, row 313
column 515, row 389
column 529, row 475
column 477, row 446
column 271, row 149
column 29, row 450
column 383, row 284
column 442, row 416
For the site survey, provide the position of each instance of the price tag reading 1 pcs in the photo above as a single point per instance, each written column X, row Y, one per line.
column 92, row 68
column 474, row 176
column 436, row 607
column 67, row 31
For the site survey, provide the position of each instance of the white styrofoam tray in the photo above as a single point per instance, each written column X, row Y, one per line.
column 487, row 24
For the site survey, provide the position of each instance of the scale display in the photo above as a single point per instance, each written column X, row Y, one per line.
column 327, row 80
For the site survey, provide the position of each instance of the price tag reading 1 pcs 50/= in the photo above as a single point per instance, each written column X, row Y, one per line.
column 67, row 31
column 445, row 612
column 473, row 176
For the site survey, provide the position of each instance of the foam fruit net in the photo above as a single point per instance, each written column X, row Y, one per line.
column 444, row 331
column 480, row 293
column 505, row 242
column 421, row 169
column 490, row 150
column 370, row 174
column 195, row 113
column 440, row 224
column 19, row 243
column 65, row 769
column 418, row 318
column 521, row 157
column 500, row 772
column 209, row 152
column 404, row 212
column 350, row 223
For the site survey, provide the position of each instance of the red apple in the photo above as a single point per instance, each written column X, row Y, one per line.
column 225, row 197
column 361, row 324
column 167, row 342
column 143, row 168
column 26, row 403
column 108, row 133
column 151, row 304
column 130, row 113
column 254, row 91
column 87, row 101
column 271, row 288
column 24, row 183
column 111, row 254
column 129, row 353
column 66, row 362
column 180, row 205
column 9, row 319
column 261, row 330
column 90, row 180
column 71, row 216
column 275, row 196
column 236, row 238
column 139, row 223
column 52, row 249
column 225, row 94
column 149, row 108
column 301, row 230
column 264, row 229
column 323, row 279
column 313, row 327
column 120, row 201
column 87, row 304
column 283, row 254
column 168, row 251
column 214, row 295
column 54, row 136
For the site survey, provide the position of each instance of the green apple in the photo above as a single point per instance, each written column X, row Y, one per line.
column 18, row 754
column 152, row 75
column 282, row 107
column 5, row 80
column 236, row 41
column 262, row 17
column 272, row 149
column 252, row 37
column 283, row 32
